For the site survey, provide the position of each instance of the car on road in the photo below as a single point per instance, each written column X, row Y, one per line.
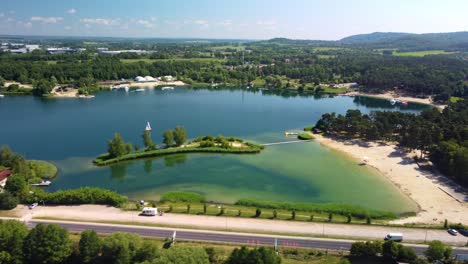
column 452, row 231
column 394, row 236
column 463, row 232
column 33, row 205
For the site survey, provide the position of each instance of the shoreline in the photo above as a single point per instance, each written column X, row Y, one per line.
column 396, row 96
column 429, row 190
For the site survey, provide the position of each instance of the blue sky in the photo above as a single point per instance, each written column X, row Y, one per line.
column 245, row 19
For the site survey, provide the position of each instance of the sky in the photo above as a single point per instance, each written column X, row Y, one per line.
column 239, row 19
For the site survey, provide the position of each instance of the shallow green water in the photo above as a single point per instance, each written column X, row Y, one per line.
column 72, row 132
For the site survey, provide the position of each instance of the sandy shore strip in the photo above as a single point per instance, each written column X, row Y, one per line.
column 429, row 189
column 396, row 96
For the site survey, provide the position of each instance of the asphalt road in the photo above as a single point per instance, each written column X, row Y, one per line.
column 223, row 237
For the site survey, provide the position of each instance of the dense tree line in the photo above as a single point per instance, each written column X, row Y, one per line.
column 442, row 136
column 391, row 252
column 50, row 244
column 444, row 76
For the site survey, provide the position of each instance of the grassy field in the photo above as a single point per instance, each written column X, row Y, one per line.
column 454, row 99
column 421, row 53
column 240, row 47
column 174, row 59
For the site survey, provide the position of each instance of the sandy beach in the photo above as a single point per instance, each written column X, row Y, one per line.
column 429, row 189
column 396, row 96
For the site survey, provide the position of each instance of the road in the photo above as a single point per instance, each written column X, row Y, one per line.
column 221, row 237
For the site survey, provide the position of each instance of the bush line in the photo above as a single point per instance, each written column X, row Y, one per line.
column 102, row 160
column 341, row 209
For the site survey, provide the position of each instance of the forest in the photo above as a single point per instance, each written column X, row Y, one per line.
column 54, row 244
column 440, row 136
column 308, row 65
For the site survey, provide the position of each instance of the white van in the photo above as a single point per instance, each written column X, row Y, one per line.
column 149, row 211
column 394, row 236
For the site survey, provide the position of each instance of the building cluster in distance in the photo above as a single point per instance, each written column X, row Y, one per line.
column 18, row 48
column 21, row 48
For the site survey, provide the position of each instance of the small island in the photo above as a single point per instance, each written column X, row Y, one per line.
column 175, row 142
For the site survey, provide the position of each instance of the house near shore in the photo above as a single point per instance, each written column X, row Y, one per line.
column 343, row 85
column 4, row 174
column 144, row 79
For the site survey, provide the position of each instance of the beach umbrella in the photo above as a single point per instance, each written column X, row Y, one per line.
column 365, row 159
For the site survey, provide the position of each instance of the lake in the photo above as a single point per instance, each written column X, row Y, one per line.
column 71, row 132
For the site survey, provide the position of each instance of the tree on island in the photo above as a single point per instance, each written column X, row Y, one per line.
column 117, row 146
column 180, row 135
column 147, row 141
column 168, row 137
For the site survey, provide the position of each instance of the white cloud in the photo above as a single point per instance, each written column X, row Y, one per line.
column 145, row 23
column 201, row 22
column 71, row 11
column 225, row 23
column 266, row 23
column 48, row 20
column 2, row 14
column 67, row 28
column 28, row 25
column 10, row 19
column 100, row 21
column 87, row 26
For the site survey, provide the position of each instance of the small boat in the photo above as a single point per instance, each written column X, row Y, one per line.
column 126, row 88
column 2, row 95
column 42, row 184
column 404, row 102
column 167, row 88
column 148, row 126
column 140, row 90
column 85, row 96
column 393, row 101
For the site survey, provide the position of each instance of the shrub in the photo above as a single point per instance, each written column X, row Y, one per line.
column 258, row 212
column 305, row 136
column 8, row 201
column 86, row 195
column 340, row 209
column 186, row 197
column 309, row 128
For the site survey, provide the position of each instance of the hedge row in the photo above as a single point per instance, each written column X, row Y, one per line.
column 86, row 195
column 341, row 209
column 186, row 197
column 103, row 159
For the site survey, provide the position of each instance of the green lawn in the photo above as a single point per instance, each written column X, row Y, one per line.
column 174, row 59
column 421, row 53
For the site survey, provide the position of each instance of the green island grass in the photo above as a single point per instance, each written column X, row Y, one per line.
column 421, row 53
column 42, row 169
column 309, row 128
column 305, row 136
column 250, row 148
